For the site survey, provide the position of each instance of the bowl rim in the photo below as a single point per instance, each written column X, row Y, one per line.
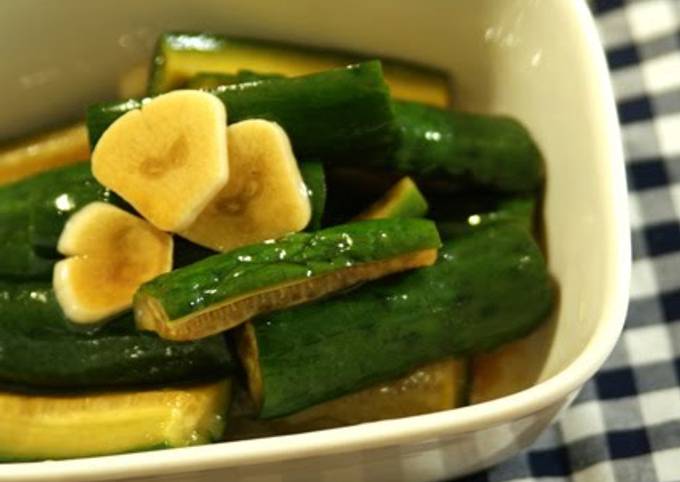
column 422, row 427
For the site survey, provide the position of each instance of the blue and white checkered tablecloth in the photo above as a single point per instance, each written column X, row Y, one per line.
column 625, row 424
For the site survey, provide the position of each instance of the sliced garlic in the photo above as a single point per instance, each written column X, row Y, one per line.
column 265, row 197
column 167, row 159
column 110, row 253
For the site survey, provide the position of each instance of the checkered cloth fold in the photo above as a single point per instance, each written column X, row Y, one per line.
column 625, row 424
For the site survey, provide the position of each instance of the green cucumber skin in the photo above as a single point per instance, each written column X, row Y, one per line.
column 108, row 361
column 41, row 349
column 296, row 257
column 494, row 152
column 404, row 202
column 489, row 286
column 413, row 205
column 339, row 113
column 20, row 261
column 70, row 189
column 473, row 212
column 315, row 179
column 208, row 43
column 518, row 210
column 30, row 308
column 33, row 213
column 212, row 80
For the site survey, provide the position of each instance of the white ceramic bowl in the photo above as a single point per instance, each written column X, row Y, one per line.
column 538, row 60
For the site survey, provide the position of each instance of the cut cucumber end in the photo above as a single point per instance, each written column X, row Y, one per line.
column 403, row 200
column 167, row 159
